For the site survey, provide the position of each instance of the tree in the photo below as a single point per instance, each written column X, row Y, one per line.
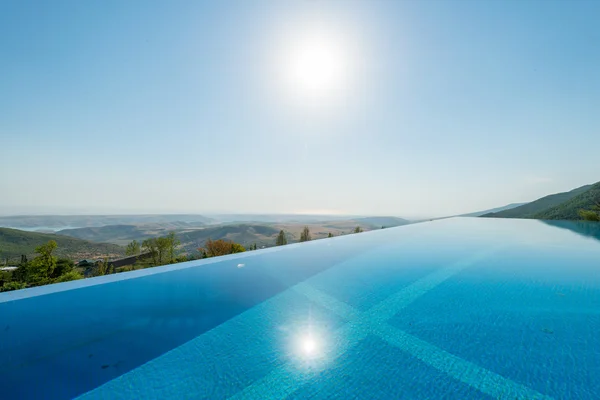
column 589, row 215
column 305, row 235
column 5, row 276
column 172, row 243
column 182, row 258
column 63, row 266
column 104, row 268
column 330, row 235
column 593, row 214
column 22, row 272
column 215, row 248
column 237, row 248
column 281, row 239
column 132, row 248
column 14, row 285
column 69, row 276
column 358, row 229
column 149, row 246
column 42, row 266
column 162, row 248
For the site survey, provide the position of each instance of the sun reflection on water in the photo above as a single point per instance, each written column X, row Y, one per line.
column 309, row 344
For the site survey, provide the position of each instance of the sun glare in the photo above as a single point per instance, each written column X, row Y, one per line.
column 309, row 346
column 315, row 67
column 315, row 64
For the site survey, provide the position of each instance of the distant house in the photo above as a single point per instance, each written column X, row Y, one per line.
column 87, row 263
column 8, row 269
column 122, row 262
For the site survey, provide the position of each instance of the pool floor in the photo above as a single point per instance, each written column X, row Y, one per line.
column 463, row 308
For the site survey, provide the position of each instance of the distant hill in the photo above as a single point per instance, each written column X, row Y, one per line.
column 191, row 238
column 570, row 209
column 14, row 242
column 123, row 234
column 378, row 222
column 530, row 210
column 492, row 210
column 276, row 218
column 58, row 222
column 265, row 234
column 246, row 235
column 118, row 234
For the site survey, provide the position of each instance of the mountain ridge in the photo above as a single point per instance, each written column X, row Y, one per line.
column 569, row 210
column 15, row 242
column 529, row 210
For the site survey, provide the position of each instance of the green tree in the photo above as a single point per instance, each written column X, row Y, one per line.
column 14, row 285
column 237, row 248
column 42, row 266
column 358, row 229
column 69, row 276
column 63, row 266
column 593, row 214
column 330, row 235
column 182, row 258
column 589, row 215
column 305, row 235
column 22, row 272
column 104, row 267
column 172, row 243
column 149, row 246
column 133, row 248
column 281, row 239
column 162, row 250
column 162, row 247
column 5, row 276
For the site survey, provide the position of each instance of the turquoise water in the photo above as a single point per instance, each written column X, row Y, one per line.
column 463, row 308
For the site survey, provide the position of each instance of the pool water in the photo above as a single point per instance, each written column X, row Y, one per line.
column 461, row 308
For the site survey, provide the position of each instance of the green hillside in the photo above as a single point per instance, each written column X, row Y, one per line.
column 570, row 208
column 14, row 242
column 120, row 234
column 492, row 210
column 531, row 210
column 245, row 234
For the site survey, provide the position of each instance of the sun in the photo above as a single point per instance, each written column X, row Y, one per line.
column 315, row 65
column 309, row 346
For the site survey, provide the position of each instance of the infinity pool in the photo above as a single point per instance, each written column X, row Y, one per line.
column 462, row 308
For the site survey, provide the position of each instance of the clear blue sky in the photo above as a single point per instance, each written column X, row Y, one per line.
column 177, row 106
